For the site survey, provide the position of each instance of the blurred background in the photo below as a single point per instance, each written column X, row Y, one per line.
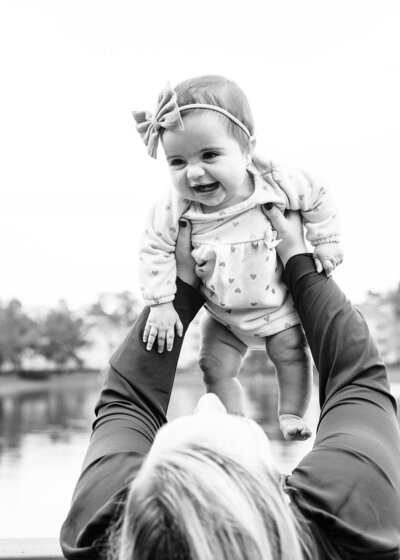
column 323, row 80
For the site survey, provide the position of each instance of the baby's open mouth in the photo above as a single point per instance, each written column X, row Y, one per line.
column 206, row 188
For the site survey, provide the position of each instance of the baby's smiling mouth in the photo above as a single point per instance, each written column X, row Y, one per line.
column 206, row 188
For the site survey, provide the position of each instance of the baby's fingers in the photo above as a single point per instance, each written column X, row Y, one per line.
column 329, row 266
column 318, row 265
column 179, row 328
column 146, row 332
column 161, row 341
column 170, row 338
column 152, row 335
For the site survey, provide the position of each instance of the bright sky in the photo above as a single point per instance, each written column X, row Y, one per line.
column 323, row 79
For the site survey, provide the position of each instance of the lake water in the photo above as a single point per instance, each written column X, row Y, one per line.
column 44, row 433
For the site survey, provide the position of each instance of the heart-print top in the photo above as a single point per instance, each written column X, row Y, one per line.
column 234, row 248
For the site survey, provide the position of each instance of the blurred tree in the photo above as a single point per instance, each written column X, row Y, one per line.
column 61, row 336
column 120, row 310
column 111, row 314
column 394, row 299
column 18, row 332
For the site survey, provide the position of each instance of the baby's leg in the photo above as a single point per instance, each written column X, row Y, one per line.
column 289, row 353
column 221, row 357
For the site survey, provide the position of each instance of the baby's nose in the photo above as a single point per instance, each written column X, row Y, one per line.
column 194, row 172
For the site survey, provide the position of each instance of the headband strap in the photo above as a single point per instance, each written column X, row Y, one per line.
column 167, row 116
column 219, row 110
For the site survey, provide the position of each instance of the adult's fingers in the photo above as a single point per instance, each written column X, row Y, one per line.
column 183, row 241
column 275, row 216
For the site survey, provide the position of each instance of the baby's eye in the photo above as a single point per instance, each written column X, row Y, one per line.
column 209, row 155
column 176, row 162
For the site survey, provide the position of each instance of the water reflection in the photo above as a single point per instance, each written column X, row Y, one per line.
column 44, row 432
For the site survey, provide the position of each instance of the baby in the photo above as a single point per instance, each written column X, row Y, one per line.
column 220, row 186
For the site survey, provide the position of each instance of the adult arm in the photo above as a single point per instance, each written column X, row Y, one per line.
column 348, row 486
column 132, row 407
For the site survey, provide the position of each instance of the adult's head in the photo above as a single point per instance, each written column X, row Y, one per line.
column 209, row 490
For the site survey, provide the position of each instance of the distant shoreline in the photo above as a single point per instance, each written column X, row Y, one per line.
column 11, row 383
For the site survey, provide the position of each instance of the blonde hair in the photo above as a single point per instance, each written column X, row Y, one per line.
column 198, row 504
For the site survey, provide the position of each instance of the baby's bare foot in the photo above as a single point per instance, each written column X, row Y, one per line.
column 293, row 427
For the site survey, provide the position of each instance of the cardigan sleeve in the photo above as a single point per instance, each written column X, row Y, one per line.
column 315, row 202
column 294, row 189
column 157, row 263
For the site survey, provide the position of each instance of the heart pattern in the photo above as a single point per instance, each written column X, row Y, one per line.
column 172, row 229
column 235, row 223
column 253, row 303
column 253, row 276
column 231, row 280
column 222, row 263
column 154, row 272
column 238, row 291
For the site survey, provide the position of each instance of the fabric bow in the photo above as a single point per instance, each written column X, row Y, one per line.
column 166, row 116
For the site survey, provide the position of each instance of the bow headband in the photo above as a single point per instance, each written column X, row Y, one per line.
column 168, row 116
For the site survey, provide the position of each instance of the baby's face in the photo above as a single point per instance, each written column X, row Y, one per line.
column 207, row 165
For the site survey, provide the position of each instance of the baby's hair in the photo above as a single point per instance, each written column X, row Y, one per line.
column 198, row 504
column 217, row 90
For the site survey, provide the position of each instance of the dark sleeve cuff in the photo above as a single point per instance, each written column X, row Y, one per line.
column 297, row 268
column 132, row 351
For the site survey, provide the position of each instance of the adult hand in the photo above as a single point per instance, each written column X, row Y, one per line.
column 185, row 263
column 289, row 230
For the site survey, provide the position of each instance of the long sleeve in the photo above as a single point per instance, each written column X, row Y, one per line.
column 157, row 264
column 132, row 407
column 300, row 191
column 348, row 486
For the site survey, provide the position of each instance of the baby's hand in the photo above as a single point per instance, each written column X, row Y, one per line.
column 328, row 256
column 161, row 324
